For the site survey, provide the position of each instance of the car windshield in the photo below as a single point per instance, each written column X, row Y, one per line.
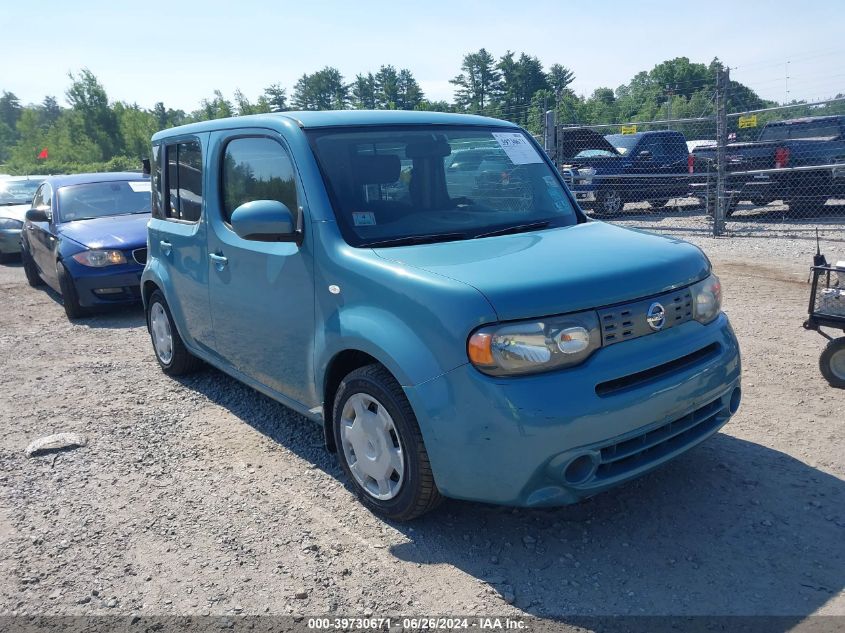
column 101, row 199
column 396, row 185
column 17, row 191
column 594, row 153
column 623, row 143
column 810, row 129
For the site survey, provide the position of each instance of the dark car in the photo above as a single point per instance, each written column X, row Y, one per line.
column 802, row 143
column 86, row 237
column 605, row 172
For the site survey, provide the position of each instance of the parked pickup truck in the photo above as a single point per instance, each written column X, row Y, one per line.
column 605, row 172
column 784, row 144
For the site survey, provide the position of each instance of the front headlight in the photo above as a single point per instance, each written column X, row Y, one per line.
column 535, row 346
column 10, row 223
column 585, row 175
column 707, row 299
column 98, row 259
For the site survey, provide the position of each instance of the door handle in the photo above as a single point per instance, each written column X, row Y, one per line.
column 219, row 261
column 166, row 247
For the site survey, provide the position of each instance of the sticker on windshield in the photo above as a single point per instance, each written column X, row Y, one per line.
column 363, row 218
column 140, row 186
column 517, row 147
column 555, row 193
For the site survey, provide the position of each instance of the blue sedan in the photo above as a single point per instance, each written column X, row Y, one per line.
column 86, row 237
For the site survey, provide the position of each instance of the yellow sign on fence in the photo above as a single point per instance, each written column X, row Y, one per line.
column 748, row 121
column 629, row 129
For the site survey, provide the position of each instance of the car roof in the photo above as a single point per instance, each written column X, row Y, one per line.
column 336, row 118
column 85, row 179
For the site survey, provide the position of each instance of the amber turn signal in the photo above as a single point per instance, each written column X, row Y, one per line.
column 480, row 349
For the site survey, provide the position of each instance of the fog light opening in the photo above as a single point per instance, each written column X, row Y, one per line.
column 108, row 291
column 736, row 397
column 580, row 469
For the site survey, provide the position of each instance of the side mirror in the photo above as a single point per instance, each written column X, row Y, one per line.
column 37, row 215
column 644, row 155
column 264, row 221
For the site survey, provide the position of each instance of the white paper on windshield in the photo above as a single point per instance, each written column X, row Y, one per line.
column 140, row 186
column 517, row 147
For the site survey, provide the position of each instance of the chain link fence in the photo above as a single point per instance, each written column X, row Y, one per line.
column 760, row 172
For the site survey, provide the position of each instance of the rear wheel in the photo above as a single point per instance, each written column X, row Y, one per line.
column 832, row 363
column 70, row 298
column 380, row 447
column 30, row 270
column 171, row 353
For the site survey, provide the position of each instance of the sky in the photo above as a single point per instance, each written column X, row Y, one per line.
column 180, row 52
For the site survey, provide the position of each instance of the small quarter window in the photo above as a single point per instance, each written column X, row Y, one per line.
column 257, row 168
column 156, row 202
column 184, row 181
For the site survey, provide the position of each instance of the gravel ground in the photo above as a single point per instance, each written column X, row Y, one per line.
column 200, row 496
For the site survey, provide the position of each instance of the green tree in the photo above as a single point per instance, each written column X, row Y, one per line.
column 322, row 90
column 559, row 78
column 217, row 108
column 88, row 99
column 409, row 94
column 521, row 78
column 479, row 83
column 276, row 97
column 364, row 92
column 387, row 88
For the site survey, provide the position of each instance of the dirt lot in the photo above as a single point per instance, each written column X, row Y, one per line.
column 201, row 496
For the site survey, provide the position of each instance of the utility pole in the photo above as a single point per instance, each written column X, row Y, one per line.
column 550, row 135
column 669, row 94
column 722, row 82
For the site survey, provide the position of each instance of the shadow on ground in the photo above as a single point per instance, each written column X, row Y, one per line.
column 731, row 528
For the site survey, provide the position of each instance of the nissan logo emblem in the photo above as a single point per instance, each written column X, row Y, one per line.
column 656, row 316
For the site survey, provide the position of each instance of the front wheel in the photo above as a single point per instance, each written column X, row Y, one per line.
column 609, row 202
column 658, row 204
column 70, row 298
column 171, row 353
column 832, row 363
column 380, row 447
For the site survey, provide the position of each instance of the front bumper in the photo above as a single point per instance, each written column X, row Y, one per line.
column 551, row 439
column 108, row 285
column 584, row 195
column 10, row 241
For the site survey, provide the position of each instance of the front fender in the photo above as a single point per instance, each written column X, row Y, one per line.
column 383, row 336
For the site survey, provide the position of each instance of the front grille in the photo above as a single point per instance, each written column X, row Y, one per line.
column 140, row 255
column 628, row 321
column 623, row 456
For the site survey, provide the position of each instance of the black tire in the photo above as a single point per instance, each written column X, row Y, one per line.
column 659, row 204
column 759, row 202
column 418, row 493
column 832, row 363
column 5, row 258
column 30, row 270
column 609, row 202
column 181, row 361
column 70, row 298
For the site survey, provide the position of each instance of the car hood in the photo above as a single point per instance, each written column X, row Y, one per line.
column 561, row 270
column 116, row 231
column 574, row 140
column 15, row 211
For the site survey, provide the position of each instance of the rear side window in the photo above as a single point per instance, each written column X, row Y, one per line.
column 257, row 168
column 184, row 181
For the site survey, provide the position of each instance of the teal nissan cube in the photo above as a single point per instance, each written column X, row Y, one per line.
column 425, row 287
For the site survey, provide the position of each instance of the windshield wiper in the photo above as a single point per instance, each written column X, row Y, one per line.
column 416, row 239
column 518, row 228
